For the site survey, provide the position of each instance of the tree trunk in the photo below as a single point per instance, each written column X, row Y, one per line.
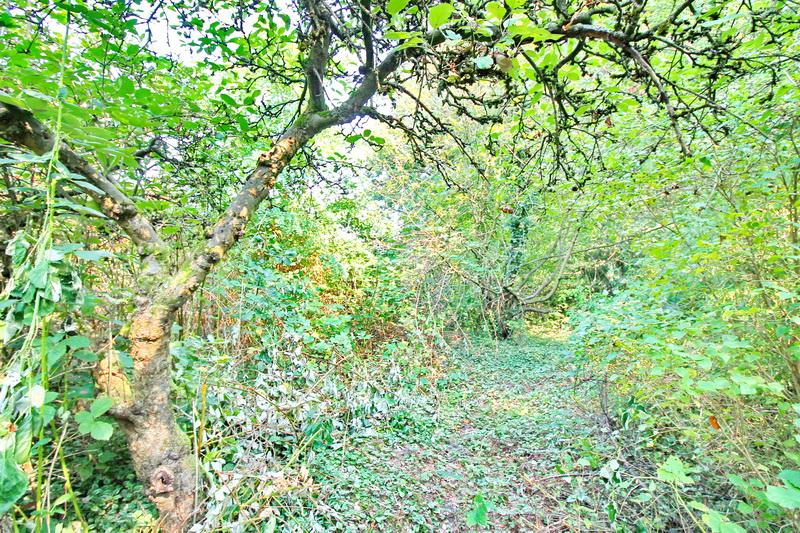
column 161, row 453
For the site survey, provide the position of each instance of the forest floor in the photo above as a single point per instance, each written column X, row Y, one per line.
column 501, row 446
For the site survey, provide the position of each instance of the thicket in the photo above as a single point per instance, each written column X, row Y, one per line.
column 239, row 236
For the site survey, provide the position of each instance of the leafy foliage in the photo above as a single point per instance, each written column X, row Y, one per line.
column 290, row 235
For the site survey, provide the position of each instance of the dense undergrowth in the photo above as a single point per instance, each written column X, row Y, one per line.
column 288, row 355
column 421, row 266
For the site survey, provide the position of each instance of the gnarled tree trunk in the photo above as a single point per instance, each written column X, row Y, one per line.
column 161, row 453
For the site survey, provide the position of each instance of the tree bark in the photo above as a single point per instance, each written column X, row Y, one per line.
column 161, row 453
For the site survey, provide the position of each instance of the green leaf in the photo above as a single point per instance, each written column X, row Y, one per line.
column 411, row 43
column 77, row 342
column 496, row 10
column 748, row 384
column 483, row 62
column 791, row 477
column 76, row 180
column 68, row 248
column 571, row 72
column 38, row 276
column 626, row 105
column 93, row 255
column 84, row 417
column 439, row 15
column 719, row 523
column 61, row 500
column 101, row 405
column 674, row 471
column 28, row 158
column 6, row 20
column 478, row 516
column 79, row 208
column 529, row 30
column 55, row 353
column 5, row 97
column 126, row 86
column 786, row 497
column 228, row 99
column 102, row 430
column 53, row 256
column 23, row 440
column 396, row 6
column 86, row 356
column 13, row 482
column 170, row 230
column 398, row 35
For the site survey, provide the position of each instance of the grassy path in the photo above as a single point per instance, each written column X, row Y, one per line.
column 508, row 422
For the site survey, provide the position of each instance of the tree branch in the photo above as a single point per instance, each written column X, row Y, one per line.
column 622, row 40
column 231, row 225
column 319, row 41
column 366, row 30
column 22, row 129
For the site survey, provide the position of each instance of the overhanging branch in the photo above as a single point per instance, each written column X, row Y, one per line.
column 19, row 127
